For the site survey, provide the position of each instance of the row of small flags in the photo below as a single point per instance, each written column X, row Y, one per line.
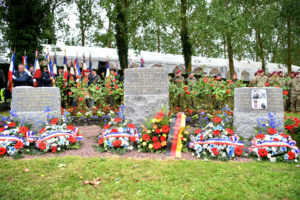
column 52, row 67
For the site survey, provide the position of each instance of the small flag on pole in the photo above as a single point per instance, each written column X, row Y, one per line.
column 37, row 69
column 107, row 68
column 11, row 72
column 142, row 63
column 78, row 68
column 117, row 67
column 83, row 64
column 90, row 64
column 24, row 60
column 72, row 73
column 54, row 65
column 65, row 68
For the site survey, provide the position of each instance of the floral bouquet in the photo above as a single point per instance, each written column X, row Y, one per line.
column 216, row 140
column 271, row 143
column 14, row 136
column 54, row 137
column 292, row 127
column 118, row 135
column 156, row 132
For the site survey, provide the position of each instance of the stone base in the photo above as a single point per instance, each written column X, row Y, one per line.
column 36, row 119
column 245, row 122
column 140, row 107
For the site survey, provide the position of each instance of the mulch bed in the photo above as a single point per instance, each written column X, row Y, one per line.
column 89, row 141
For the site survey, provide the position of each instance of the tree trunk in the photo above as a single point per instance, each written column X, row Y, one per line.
column 261, row 52
column 158, row 38
column 230, row 56
column 82, row 37
column 186, row 45
column 121, row 35
column 289, row 61
column 224, row 47
column 109, row 42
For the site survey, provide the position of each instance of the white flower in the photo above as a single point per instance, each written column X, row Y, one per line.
column 296, row 160
column 223, row 155
column 198, row 156
column 58, row 149
column 130, row 148
column 273, row 159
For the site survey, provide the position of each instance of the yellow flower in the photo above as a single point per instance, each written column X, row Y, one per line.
column 153, row 120
column 144, row 143
column 141, row 140
column 148, row 131
column 184, row 139
column 165, row 135
column 185, row 132
column 158, row 120
column 150, row 146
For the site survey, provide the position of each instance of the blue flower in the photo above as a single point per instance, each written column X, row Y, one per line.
column 230, row 151
column 47, row 109
column 109, row 144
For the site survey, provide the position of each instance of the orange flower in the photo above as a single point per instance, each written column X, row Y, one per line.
column 267, row 84
column 285, row 92
column 155, row 126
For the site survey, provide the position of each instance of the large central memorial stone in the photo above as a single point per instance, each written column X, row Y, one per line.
column 146, row 91
column 30, row 104
column 253, row 103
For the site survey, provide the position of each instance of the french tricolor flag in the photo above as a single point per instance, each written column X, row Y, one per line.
column 142, row 62
column 90, row 64
column 65, row 69
column 37, row 69
column 11, row 72
column 24, row 60
column 78, row 68
column 107, row 69
column 54, row 65
column 72, row 73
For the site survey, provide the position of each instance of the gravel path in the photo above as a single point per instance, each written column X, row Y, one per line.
column 87, row 150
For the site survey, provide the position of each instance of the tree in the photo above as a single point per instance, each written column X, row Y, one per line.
column 186, row 44
column 25, row 22
column 86, row 17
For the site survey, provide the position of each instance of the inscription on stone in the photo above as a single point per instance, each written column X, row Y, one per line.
column 146, row 82
column 29, row 104
column 245, row 118
column 146, row 91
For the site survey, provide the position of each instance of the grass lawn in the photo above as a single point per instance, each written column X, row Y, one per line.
column 146, row 179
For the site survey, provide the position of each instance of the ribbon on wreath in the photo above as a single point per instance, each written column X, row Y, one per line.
column 11, row 138
column 217, row 141
column 271, row 143
column 121, row 134
column 58, row 134
column 174, row 144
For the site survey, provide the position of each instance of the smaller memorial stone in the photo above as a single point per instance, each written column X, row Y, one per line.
column 253, row 103
column 30, row 104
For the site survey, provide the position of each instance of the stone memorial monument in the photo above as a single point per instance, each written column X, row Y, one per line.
column 30, row 103
column 146, row 91
column 253, row 103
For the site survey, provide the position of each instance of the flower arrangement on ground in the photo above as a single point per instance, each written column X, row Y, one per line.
column 217, row 139
column 56, row 137
column 156, row 131
column 271, row 143
column 118, row 135
column 14, row 136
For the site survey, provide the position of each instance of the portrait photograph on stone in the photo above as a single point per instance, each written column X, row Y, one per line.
column 156, row 99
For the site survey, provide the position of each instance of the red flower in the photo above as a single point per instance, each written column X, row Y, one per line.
column 80, row 99
column 185, row 88
column 2, row 151
column 115, row 74
column 198, row 131
column 53, row 149
column 23, row 129
column 285, row 136
column 154, row 139
column 146, row 137
column 116, row 87
column 267, row 84
column 230, row 131
column 228, row 91
column 217, row 119
column 130, row 126
column 212, row 85
column 43, row 130
column 157, row 131
column 188, row 92
column 132, row 139
column 156, row 145
column 162, row 138
column 114, row 130
column 205, row 80
column 262, row 152
column 100, row 142
column 107, row 126
column 11, row 124
column 114, row 80
column 70, row 93
column 165, row 129
column 272, row 131
column 117, row 120
column 285, row 92
column 216, row 132
column 238, row 151
column 19, row 145
column 72, row 139
column 159, row 115
column 42, row 145
column 215, row 151
column 260, row 136
column 71, row 127
column 117, row 143
column 201, row 137
column 2, row 129
column 291, row 155
column 97, row 88
column 54, row 121
column 277, row 86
